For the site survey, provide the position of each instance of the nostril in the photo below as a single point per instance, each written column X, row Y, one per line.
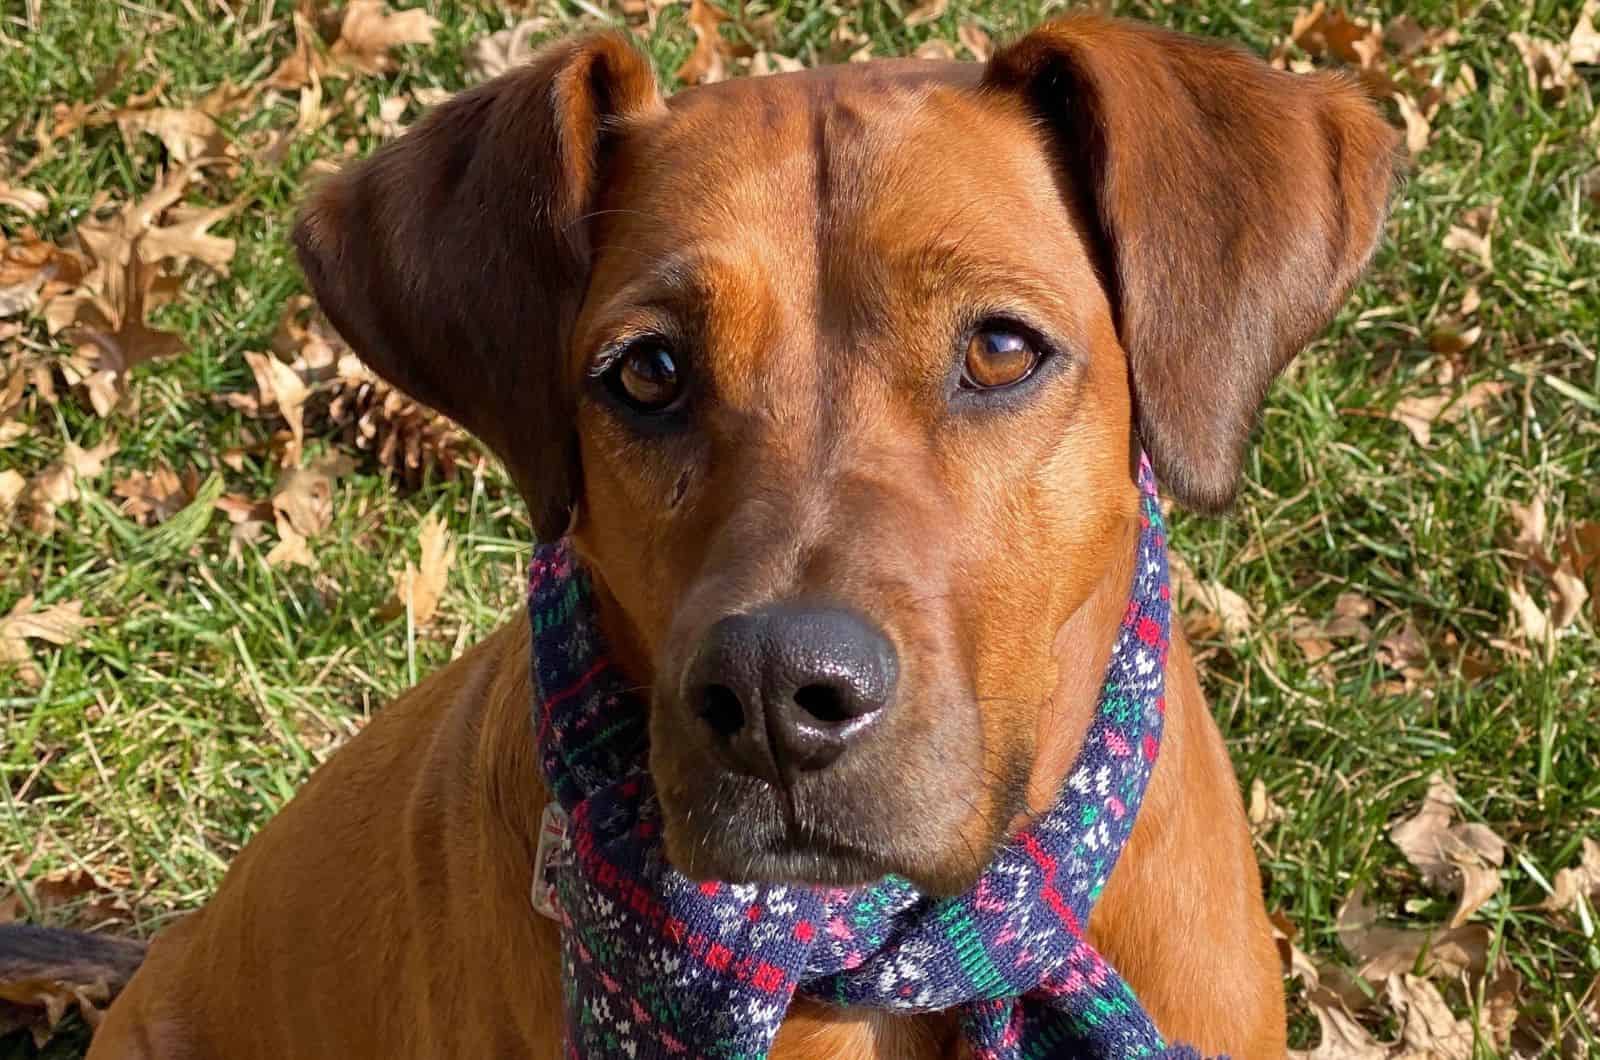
column 825, row 703
column 720, row 708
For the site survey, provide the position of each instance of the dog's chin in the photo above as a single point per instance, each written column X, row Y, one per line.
column 755, row 841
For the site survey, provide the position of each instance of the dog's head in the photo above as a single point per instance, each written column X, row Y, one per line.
column 838, row 380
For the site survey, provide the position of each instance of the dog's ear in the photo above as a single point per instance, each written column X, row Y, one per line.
column 1233, row 208
column 453, row 260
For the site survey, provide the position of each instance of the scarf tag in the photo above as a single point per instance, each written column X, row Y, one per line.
column 548, row 858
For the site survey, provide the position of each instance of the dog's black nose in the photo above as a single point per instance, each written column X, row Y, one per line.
column 786, row 688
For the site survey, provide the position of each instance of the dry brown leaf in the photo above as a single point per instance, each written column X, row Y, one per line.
column 764, row 62
column 1581, row 552
column 417, row 588
column 1584, row 42
column 283, row 389
column 1209, row 607
column 154, row 497
column 56, row 624
column 1324, row 31
column 1419, row 414
column 1462, row 858
column 975, row 40
column 57, row 484
column 304, row 496
column 935, row 49
column 1342, row 1037
column 494, row 54
column 105, row 316
column 188, row 134
column 305, row 62
column 370, row 30
column 1382, row 950
column 39, row 1005
column 1429, row 1028
column 24, row 200
column 1551, row 65
column 33, row 271
column 1264, row 811
column 1474, row 234
column 1418, row 130
column 708, row 63
column 1406, row 651
column 1579, row 882
column 11, row 486
column 927, row 11
column 250, row 519
column 291, row 548
column 1564, row 576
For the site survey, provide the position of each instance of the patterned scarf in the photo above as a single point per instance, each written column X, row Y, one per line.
column 656, row 965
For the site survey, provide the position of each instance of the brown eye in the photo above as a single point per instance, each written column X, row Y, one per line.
column 645, row 377
column 998, row 357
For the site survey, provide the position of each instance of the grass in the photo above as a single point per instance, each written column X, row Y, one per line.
column 210, row 687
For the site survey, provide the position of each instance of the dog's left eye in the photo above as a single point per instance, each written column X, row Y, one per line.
column 645, row 377
column 998, row 356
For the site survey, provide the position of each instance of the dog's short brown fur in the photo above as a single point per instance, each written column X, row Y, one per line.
column 1174, row 218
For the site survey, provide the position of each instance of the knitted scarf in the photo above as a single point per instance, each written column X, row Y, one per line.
column 656, row 965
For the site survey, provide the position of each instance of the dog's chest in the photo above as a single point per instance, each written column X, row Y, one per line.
column 812, row 1030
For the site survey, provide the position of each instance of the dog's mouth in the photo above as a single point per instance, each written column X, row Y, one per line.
column 739, row 829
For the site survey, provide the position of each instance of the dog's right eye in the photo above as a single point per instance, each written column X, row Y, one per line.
column 645, row 377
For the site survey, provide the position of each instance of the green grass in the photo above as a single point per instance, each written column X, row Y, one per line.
column 210, row 688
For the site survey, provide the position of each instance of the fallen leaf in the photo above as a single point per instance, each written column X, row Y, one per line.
column 1567, row 589
column 1428, row 1028
column 105, row 316
column 188, row 134
column 1342, row 1037
column 1584, row 43
column 283, row 389
column 1263, row 811
column 305, row 62
column 1474, row 234
column 494, row 54
column 304, row 496
column 1581, row 552
column 1381, row 950
column 1406, row 652
column 1209, row 607
column 11, row 486
column 1418, row 130
column 32, row 271
column 370, row 30
column 1419, row 414
column 1321, row 31
column 291, row 548
column 927, row 11
column 24, row 200
column 57, row 484
column 417, row 588
column 764, row 62
column 708, row 63
column 152, row 497
column 56, row 624
column 935, row 49
column 1462, row 858
column 92, row 902
column 975, row 40
column 1577, row 883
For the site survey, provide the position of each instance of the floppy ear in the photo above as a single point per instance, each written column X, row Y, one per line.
column 453, row 260
column 1235, row 205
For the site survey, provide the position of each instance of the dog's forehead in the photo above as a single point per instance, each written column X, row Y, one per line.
column 909, row 135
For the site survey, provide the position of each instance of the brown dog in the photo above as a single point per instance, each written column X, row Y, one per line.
column 882, row 340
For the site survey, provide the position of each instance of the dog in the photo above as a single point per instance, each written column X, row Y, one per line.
column 837, row 386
